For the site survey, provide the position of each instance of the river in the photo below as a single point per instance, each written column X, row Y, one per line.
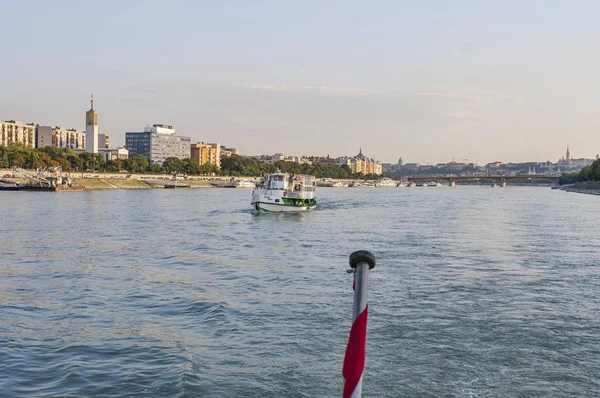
column 478, row 292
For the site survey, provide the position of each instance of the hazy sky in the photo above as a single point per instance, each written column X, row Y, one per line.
column 425, row 80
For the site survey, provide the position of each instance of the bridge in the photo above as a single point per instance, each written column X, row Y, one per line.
column 503, row 179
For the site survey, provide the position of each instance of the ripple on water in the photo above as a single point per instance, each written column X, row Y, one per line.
column 477, row 293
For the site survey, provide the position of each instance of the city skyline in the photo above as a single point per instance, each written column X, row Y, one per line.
column 503, row 81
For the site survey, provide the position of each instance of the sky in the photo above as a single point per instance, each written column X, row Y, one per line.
column 428, row 81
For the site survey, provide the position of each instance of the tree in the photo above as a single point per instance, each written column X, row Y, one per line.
column 141, row 162
column 189, row 166
column 75, row 161
column 172, row 165
column 155, row 168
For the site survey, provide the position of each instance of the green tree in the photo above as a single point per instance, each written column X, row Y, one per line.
column 173, row 165
column 155, row 168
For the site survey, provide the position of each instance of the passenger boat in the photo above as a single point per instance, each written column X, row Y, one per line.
column 282, row 192
column 434, row 184
column 385, row 182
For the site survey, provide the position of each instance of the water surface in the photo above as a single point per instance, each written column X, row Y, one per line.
column 478, row 292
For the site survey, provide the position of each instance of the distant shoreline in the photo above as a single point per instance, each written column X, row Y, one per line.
column 588, row 188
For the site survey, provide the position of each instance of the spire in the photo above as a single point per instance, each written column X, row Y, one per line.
column 360, row 151
column 92, row 103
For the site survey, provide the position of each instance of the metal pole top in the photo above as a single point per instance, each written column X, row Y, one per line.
column 362, row 256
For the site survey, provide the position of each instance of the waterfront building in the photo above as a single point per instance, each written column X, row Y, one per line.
column 103, row 141
column 113, row 154
column 59, row 137
column 15, row 131
column 157, row 143
column 204, row 153
column 362, row 164
column 91, row 129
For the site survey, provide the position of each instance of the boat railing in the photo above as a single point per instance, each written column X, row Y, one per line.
column 300, row 195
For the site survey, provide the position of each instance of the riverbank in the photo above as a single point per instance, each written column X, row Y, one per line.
column 101, row 183
column 588, row 188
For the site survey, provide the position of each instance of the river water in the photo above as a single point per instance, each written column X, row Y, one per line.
column 478, row 292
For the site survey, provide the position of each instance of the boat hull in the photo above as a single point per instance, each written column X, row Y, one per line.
column 280, row 208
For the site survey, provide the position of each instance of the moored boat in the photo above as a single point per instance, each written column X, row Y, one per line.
column 240, row 184
column 283, row 192
column 4, row 186
column 385, row 182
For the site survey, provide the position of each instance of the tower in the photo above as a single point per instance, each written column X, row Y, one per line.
column 568, row 159
column 91, row 129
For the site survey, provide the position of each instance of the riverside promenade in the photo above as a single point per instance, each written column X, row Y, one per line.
column 91, row 180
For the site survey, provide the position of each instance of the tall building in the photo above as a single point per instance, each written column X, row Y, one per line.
column 206, row 153
column 59, row 137
column 157, row 143
column 91, row 129
column 15, row 131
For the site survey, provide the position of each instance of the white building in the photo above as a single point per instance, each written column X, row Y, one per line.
column 91, row 129
column 113, row 154
column 157, row 143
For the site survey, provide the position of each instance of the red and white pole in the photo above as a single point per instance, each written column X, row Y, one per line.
column 354, row 363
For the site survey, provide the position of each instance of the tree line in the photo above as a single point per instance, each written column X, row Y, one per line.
column 588, row 173
column 235, row 165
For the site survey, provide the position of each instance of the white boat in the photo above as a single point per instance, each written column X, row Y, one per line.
column 338, row 184
column 385, row 182
column 410, row 184
column 434, row 184
column 241, row 184
column 283, row 193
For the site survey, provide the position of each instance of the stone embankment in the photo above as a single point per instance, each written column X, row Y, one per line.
column 124, row 180
column 590, row 188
